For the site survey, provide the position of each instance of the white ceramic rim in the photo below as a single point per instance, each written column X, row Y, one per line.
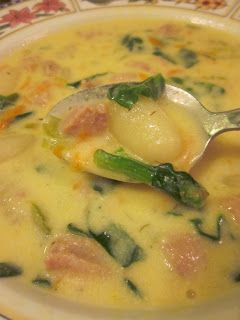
column 20, row 301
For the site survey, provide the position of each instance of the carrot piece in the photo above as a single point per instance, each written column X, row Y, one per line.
column 58, row 151
column 173, row 72
column 9, row 115
column 143, row 75
column 155, row 41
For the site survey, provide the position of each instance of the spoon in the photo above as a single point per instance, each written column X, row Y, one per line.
column 213, row 123
column 180, row 185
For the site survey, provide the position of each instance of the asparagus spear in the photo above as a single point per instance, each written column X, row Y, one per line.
column 180, row 185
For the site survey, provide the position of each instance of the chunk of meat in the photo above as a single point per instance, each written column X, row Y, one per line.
column 77, row 255
column 185, row 254
column 40, row 94
column 51, row 68
column 231, row 206
column 31, row 62
column 169, row 30
column 85, row 121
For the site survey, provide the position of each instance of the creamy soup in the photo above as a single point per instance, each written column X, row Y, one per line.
column 100, row 241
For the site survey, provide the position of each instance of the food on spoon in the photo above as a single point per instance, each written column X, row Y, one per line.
column 180, row 185
column 119, row 125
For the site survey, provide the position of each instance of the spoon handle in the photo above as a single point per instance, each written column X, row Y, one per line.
column 216, row 123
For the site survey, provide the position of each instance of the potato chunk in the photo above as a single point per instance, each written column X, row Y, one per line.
column 146, row 131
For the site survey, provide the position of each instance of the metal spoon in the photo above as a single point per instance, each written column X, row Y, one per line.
column 213, row 123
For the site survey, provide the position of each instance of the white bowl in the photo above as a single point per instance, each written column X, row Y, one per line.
column 18, row 301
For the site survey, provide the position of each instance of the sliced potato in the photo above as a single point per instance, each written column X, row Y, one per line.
column 146, row 131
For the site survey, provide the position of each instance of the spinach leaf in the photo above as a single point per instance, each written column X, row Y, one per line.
column 41, row 168
column 234, row 117
column 9, row 270
column 187, row 57
column 23, row 115
column 174, row 213
column 198, row 88
column 180, row 185
column 6, row 101
column 40, row 219
column 165, row 56
column 119, row 245
column 103, row 185
column 42, row 282
column 132, row 43
column 134, row 289
column 236, row 277
column 77, row 84
column 128, row 94
column 214, row 237
column 177, row 80
column 210, row 88
column 71, row 227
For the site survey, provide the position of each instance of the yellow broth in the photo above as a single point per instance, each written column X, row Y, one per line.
column 165, row 257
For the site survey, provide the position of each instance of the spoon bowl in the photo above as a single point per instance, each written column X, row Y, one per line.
column 212, row 123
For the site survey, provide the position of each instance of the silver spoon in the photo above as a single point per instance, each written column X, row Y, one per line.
column 213, row 123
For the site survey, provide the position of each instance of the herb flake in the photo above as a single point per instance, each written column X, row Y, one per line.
column 40, row 219
column 42, row 282
column 9, row 270
column 197, row 223
column 6, row 101
column 132, row 43
column 133, row 288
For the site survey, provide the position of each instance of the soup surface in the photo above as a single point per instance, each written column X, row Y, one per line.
column 99, row 241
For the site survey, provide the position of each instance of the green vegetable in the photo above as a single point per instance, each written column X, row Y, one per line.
column 40, row 219
column 77, row 231
column 234, row 117
column 103, row 186
column 165, row 56
column 236, row 277
column 132, row 43
column 174, row 213
column 9, row 270
column 128, row 94
column 198, row 88
column 42, row 282
column 23, row 115
column 77, row 84
column 211, row 88
column 41, row 168
column 187, row 57
column 177, row 80
column 6, row 101
column 180, row 185
column 51, row 126
column 119, row 245
column 134, row 289
column 214, row 237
